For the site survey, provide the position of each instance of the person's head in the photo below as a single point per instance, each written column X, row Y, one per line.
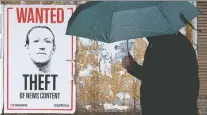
column 40, row 42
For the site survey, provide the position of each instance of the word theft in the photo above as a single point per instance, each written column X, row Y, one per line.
column 39, row 81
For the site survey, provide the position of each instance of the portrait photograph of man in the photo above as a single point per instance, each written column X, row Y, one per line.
column 45, row 51
column 40, row 42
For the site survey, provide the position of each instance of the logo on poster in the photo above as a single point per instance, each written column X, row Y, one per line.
column 18, row 105
column 61, row 105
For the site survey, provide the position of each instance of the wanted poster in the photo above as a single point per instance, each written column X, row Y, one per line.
column 38, row 76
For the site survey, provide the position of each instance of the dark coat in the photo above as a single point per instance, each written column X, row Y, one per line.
column 169, row 76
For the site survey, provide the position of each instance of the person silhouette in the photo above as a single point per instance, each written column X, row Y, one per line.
column 169, row 76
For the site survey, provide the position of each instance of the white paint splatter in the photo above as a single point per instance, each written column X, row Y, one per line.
column 84, row 73
column 108, row 106
column 121, row 73
column 88, row 107
column 123, row 95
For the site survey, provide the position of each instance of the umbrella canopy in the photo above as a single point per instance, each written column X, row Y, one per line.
column 111, row 21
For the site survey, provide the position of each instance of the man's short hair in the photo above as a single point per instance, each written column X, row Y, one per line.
column 37, row 27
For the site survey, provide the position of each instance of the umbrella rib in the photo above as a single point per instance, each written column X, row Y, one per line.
column 109, row 36
column 166, row 17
